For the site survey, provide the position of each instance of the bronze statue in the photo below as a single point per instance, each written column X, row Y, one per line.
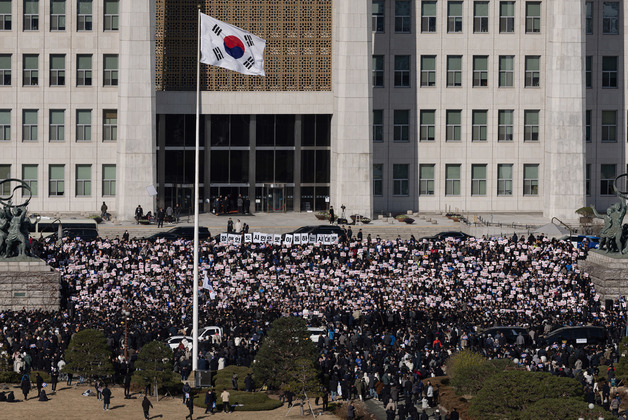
column 612, row 237
column 13, row 222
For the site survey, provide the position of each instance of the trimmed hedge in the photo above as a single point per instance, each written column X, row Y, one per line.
column 251, row 401
column 469, row 371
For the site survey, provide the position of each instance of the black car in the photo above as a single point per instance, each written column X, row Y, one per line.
column 85, row 234
column 510, row 333
column 322, row 230
column 577, row 335
column 182, row 232
column 449, row 234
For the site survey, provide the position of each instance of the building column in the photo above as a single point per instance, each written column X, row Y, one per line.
column 564, row 171
column 252, row 140
column 351, row 145
column 136, row 107
column 296, row 202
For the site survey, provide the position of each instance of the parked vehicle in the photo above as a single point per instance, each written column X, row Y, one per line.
column 579, row 241
column 510, row 333
column 322, row 230
column 175, row 340
column 448, row 234
column 47, row 226
column 182, row 232
column 316, row 332
column 577, row 335
column 208, row 332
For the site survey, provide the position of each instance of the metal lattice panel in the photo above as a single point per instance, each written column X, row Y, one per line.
column 298, row 34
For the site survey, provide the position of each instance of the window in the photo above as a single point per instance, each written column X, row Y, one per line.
column 5, row 173
column 29, row 125
column 428, row 129
column 110, row 76
column 454, row 127
column 112, row 15
column 83, row 124
column 506, row 70
column 454, row 70
column 609, row 72
column 428, row 16
column 609, row 126
column 533, row 17
column 378, row 125
column 426, row 179
column 607, row 178
column 29, row 176
column 402, row 71
column 109, row 180
column 377, row 15
column 378, row 179
column 479, row 129
column 110, row 125
column 378, row 71
column 530, row 179
column 505, row 130
column 589, row 71
column 480, row 16
column 401, row 125
column 403, row 16
column 5, row 124
column 56, row 180
column 57, row 125
column 400, row 179
column 480, row 70
column 478, row 179
column 84, row 15
column 452, row 179
column 84, row 70
column 530, row 125
column 5, row 15
column 57, row 70
column 428, row 70
column 5, row 69
column 504, row 179
column 57, row 15
column 506, row 16
column 533, row 74
column 587, row 180
column 610, row 18
column 454, row 16
column 83, row 180
column 587, row 132
column 589, row 17
column 31, row 15
column 30, row 74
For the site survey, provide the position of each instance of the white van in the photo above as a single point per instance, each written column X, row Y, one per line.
column 47, row 226
column 208, row 332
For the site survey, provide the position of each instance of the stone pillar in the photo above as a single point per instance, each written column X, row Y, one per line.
column 136, row 107
column 564, row 172
column 351, row 145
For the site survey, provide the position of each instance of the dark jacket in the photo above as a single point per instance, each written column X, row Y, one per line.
column 146, row 404
column 106, row 396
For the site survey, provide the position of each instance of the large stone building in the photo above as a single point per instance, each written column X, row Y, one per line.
column 380, row 105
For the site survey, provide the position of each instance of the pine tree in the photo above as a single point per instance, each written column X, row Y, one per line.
column 88, row 355
column 287, row 355
column 154, row 362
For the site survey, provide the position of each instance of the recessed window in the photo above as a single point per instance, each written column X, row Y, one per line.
column 110, row 76
column 403, row 16
column 57, row 125
column 454, row 125
column 109, row 180
column 506, row 70
column 428, row 70
column 57, row 70
column 29, row 125
column 589, row 71
column 589, row 17
column 378, row 179
column 110, row 125
column 533, row 73
column 506, row 16
column 5, row 69
column 5, row 173
column 480, row 17
column 454, row 16
column 588, row 126
column 609, row 126
column 478, row 179
column 533, row 17
column 428, row 127
column 607, row 178
column 378, row 125
column 426, row 179
column 84, row 70
column 530, row 125
column 56, row 180
column 504, row 179
column 83, row 125
column 479, row 131
column 378, row 71
column 30, row 73
column 610, row 18
column 505, row 121
column 609, row 72
column 83, row 180
column 400, row 180
column 5, row 124
column 401, row 126
column 57, row 15
column 112, row 18
column 84, row 16
column 377, row 15
column 6, row 20
column 480, row 71
column 428, row 16
column 454, row 70
column 531, row 180
column 402, row 71
column 29, row 176
column 31, row 15
column 452, row 179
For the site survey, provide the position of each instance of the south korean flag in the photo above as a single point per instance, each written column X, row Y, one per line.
column 230, row 47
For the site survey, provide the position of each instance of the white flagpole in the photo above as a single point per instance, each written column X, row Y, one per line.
column 196, row 164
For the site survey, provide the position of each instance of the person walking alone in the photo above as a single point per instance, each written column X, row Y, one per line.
column 225, row 400
column 332, row 216
column 106, row 398
column 146, row 406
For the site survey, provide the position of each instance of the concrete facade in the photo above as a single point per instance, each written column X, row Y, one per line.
column 28, row 285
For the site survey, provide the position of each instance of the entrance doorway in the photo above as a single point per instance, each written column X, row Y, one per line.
column 273, row 198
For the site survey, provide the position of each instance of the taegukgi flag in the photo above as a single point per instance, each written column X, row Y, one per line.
column 230, row 47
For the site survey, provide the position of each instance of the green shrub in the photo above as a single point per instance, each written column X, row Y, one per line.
column 561, row 408
column 506, row 394
column 222, row 378
column 469, row 371
column 621, row 368
column 172, row 384
column 10, row 377
column 44, row 375
column 250, row 401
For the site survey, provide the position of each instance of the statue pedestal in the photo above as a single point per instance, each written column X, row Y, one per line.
column 29, row 284
column 608, row 273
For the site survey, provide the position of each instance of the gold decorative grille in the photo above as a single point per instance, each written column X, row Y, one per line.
column 297, row 57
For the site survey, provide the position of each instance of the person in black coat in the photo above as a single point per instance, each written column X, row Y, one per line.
column 190, row 405
column 210, row 400
column 127, row 385
column 350, row 411
column 106, row 398
column 146, row 406
column 39, row 381
column 26, row 386
column 54, row 378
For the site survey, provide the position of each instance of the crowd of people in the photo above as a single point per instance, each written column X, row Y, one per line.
column 394, row 310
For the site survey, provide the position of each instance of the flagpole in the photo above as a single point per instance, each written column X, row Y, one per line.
column 196, row 182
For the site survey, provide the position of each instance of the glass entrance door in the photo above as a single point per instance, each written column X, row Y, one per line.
column 274, row 198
